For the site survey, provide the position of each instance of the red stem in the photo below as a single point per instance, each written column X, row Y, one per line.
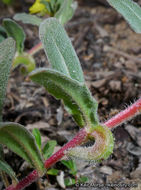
column 77, row 140
column 128, row 113
column 124, row 115
column 35, row 49
column 33, row 176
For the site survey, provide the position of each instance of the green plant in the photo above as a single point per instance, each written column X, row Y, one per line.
column 13, row 135
column 47, row 151
column 10, row 28
column 63, row 10
column 48, row 148
column 130, row 10
column 8, row 2
column 72, row 168
column 64, row 81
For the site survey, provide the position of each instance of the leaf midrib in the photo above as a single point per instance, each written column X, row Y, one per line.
column 11, row 173
column 128, row 6
column 72, row 97
column 62, row 57
column 27, row 152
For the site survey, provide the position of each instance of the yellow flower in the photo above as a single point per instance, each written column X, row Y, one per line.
column 38, row 7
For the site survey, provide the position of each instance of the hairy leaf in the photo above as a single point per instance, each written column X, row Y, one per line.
column 4, row 166
column 48, row 149
column 52, row 171
column 2, row 38
column 55, row 5
column 26, row 60
column 3, row 34
column 71, row 165
column 75, row 95
column 15, row 31
column 69, row 181
column 66, row 11
column 83, row 179
column 37, row 136
column 131, row 12
column 18, row 139
column 102, row 149
column 48, row 7
column 7, row 50
column 59, row 49
column 28, row 19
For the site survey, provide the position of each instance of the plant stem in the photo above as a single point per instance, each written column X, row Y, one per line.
column 33, row 176
column 35, row 49
column 124, row 115
column 77, row 140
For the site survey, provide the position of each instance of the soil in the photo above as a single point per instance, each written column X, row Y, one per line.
column 110, row 55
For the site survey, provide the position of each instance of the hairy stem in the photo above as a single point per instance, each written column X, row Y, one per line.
column 77, row 140
column 124, row 115
column 35, row 49
column 102, row 148
column 33, row 176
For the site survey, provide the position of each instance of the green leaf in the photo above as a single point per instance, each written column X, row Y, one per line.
column 49, row 149
column 53, row 171
column 66, row 11
column 3, row 31
column 130, row 10
column 69, row 181
column 37, row 136
column 7, row 50
column 71, row 165
column 15, row 31
column 3, row 34
column 83, row 179
column 76, row 96
column 102, row 148
column 25, row 59
column 28, row 19
column 4, row 166
column 59, row 49
column 18, row 139
column 2, row 38
column 48, row 6
column 8, row 2
column 55, row 4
